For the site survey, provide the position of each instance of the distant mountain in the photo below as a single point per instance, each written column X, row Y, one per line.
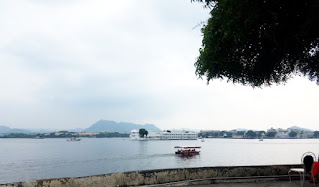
column 8, row 130
column 102, row 125
column 41, row 131
column 112, row 126
column 299, row 128
column 5, row 129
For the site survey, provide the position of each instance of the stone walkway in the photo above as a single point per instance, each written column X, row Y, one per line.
column 242, row 183
column 262, row 184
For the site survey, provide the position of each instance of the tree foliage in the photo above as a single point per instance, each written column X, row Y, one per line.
column 18, row 135
column 260, row 133
column 271, row 134
column 251, row 134
column 143, row 132
column 292, row 134
column 316, row 134
column 111, row 135
column 260, row 42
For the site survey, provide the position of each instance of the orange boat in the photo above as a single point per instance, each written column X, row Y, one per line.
column 187, row 151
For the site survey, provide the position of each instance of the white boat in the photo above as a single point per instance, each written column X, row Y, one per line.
column 73, row 139
column 135, row 135
column 165, row 135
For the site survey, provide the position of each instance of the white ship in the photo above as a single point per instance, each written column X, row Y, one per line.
column 135, row 135
column 165, row 135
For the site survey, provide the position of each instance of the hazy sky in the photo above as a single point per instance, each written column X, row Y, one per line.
column 67, row 64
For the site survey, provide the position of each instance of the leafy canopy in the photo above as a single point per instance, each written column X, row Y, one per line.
column 260, row 42
column 292, row 134
column 251, row 134
column 143, row 132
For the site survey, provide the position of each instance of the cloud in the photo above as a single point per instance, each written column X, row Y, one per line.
column 71, row 63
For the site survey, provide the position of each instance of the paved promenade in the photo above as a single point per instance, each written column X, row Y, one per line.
column 294, row 183
column 258, row 182
column 261, row 184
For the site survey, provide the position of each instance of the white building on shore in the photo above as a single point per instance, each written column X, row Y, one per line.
column 165, row 135
column 285, row 133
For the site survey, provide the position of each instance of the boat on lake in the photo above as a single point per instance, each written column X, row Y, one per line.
column 187, row 151
column 73, row 139
column 164, row 135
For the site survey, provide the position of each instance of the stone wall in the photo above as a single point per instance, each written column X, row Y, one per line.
column 152, row 177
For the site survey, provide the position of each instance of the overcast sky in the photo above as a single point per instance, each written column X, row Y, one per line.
column 69, row 63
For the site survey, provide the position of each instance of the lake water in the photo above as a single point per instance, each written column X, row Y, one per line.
column 30, row 159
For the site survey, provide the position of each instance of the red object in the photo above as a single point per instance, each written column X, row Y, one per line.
column 191, row 147
column 187, row 151
column 315, row 171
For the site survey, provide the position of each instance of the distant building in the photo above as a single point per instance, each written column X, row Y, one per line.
column 165, row 135
column 235, row 136
column 301, row 135
column 282, row 133
column 58, row 133
column 88, row 133
column 310, row 134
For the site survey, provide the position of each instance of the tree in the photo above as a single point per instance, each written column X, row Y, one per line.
column 18, row 135
column 215, row 134
column 292, row 134
column 143, row 132
column 316, row 134
column 251, row 134
column 271, row 134
column 260, row 42
column 260, row 133
column 223, row 134
column 228, row 134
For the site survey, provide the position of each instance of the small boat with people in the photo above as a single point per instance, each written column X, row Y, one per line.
column 187, row 150
column 73, row 139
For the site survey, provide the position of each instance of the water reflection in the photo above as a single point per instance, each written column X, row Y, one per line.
column 49, row 158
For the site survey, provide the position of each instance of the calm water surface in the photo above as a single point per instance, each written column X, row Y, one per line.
column 30, row 159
